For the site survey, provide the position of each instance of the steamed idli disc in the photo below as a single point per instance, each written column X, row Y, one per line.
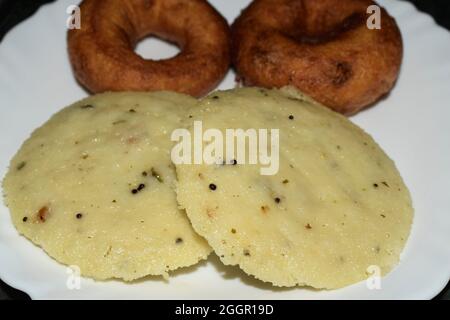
column 94, row 187
column 336, row 206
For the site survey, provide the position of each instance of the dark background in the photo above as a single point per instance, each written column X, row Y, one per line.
column 14, row 11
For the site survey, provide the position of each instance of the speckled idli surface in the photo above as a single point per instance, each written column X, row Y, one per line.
column 337, row 205
column 94, row 187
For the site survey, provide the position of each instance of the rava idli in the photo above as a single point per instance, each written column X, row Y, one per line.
column 94, row 187
column 336, row 210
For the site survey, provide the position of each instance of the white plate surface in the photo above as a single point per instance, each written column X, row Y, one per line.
column 412, row 125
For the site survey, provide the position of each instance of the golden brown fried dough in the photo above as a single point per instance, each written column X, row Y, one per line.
column 102, row 51
column 324, row 48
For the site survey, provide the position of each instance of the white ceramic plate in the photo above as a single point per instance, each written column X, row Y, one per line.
column 412, row 125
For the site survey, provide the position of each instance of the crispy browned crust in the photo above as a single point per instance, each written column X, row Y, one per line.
column 102, row 51
column 323, row 48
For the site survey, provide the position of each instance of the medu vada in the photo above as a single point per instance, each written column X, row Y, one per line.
column 102, row 50
column 324, row 48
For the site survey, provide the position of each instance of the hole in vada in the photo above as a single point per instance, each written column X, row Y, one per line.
column 154, row 48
